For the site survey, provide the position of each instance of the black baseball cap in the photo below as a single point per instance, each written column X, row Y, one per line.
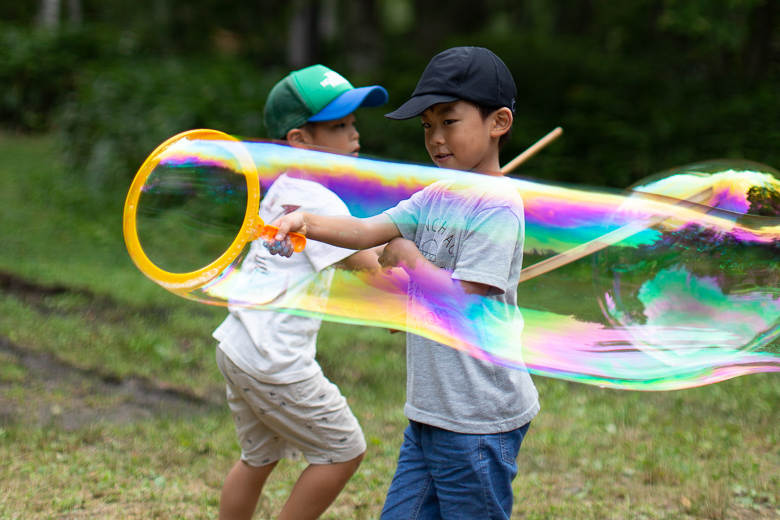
column 469, row 73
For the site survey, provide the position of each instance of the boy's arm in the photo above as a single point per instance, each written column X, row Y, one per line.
column 341, row 231
column 365, row 260
column 404, row 253
column 366, row 265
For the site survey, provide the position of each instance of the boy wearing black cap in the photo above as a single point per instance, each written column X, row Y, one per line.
column 467, row 416
column 282, row 404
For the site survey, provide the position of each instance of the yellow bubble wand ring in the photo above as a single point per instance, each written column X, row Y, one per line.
column 252, row 227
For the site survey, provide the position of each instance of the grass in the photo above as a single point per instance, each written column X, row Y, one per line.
column 111, row 404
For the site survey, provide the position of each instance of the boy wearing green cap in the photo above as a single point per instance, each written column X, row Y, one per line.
column 282, row 404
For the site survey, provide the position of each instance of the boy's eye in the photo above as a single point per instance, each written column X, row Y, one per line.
column 449, row 121
column 426, row 125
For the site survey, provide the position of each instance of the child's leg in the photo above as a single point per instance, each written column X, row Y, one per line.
column 281, row 421
column 473, row 474
column 261, row 447
column 317, row 488
column 412, row 494
column 242, row 489
column 318, row 420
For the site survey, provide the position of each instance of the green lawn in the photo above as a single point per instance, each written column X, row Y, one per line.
column 111, row 404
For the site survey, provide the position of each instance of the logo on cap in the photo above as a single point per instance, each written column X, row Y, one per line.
column 333, row 79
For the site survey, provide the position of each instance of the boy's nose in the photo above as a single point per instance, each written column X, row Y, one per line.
column 437, row 138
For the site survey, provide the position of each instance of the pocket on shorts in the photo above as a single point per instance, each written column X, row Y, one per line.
column 511, row 442
column 510, row 447
column 329, row 419
column 317, row 392
column 222, row 364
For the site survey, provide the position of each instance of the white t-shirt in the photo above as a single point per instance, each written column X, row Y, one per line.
column 277, row 347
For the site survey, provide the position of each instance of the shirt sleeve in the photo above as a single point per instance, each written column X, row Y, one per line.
column 406, row 215
column 320, row 254
column 488, row 248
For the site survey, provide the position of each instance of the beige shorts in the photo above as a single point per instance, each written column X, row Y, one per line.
column 273, row 422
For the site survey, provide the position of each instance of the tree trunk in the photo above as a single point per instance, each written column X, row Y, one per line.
column 302, row 34
column 49, row 14
column 758, row 51
column 75, row 14
column 364, row 48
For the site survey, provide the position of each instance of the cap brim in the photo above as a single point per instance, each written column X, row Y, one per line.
column 419, row 104
column 350, row 101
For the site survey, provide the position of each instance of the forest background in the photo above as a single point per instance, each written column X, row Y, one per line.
column 111, row 404
column 639, row 87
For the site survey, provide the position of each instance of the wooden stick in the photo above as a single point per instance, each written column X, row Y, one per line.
column 613, row 237
column 532, row 150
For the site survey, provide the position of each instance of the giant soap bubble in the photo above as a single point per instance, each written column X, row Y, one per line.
column 683, row 274
column 672, row 284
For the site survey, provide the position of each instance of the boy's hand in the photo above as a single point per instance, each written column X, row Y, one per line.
column 283, row 247
column 399, row 252
column 291, row 223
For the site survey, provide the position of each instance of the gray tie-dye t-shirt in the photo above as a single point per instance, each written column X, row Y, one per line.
column 476, row 233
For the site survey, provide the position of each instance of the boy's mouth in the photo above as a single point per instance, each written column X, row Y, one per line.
column 355, row 152
column 441, row 157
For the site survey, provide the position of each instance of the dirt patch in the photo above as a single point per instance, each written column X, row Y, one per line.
column 47, row 391
column 43, row 299
column 38, row 388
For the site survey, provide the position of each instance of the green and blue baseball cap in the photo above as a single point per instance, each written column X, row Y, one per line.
column 314, row 94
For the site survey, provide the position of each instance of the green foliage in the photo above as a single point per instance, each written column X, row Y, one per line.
column 639, row 87
column 38, row 70
column 122, row 113
column 627, row 115
column 719, row 25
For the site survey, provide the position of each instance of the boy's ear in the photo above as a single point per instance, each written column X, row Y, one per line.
column 302, row 136
column 296, row 137
column 502, row 122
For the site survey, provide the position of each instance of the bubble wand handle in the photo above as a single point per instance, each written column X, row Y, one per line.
column 267, row 232
column 613, row 237
column 532, row 150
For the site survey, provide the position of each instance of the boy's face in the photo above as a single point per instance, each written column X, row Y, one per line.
column 458, row 138
column 337, row 134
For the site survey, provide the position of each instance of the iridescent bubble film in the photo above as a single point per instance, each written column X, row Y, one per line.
column 186, row 203
column 672, row 284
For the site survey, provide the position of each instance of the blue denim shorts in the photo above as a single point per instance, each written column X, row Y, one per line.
column 447, row 475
